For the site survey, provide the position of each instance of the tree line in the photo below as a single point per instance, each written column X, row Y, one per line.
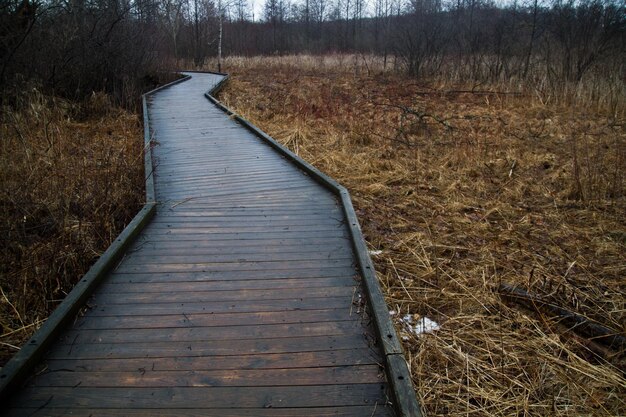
column 74, row 47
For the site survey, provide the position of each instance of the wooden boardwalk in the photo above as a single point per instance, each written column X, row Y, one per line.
column 240, row 298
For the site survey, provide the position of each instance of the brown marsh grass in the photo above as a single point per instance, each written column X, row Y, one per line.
column 70, row 180
column 459, row 191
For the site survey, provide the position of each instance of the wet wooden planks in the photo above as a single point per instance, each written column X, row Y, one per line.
column 240, row 298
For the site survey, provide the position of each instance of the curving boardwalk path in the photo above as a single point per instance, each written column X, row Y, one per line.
column 240, row 298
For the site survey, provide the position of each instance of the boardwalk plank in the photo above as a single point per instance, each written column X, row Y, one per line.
column 175, row 296
column 140, row 276
column 113, row 287
column 216, row 333
column 268, row 236
column 208, row 320
column 315, row 359
column 250, row 253
column 235, row 265
column 301, row 213
column 208, row 347
column 164, row 257
column 203, row 397
column 298, row 243
column 356, row 374
column 269, row 227
column 299, row 217
column 214, row 307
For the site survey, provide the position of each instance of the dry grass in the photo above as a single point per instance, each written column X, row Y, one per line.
column 70, row 179
column 461, row 192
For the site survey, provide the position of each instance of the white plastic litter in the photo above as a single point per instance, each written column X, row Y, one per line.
column 425, row 325
column 422, row 325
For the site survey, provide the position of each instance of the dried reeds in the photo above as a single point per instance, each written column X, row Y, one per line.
column 71, row 178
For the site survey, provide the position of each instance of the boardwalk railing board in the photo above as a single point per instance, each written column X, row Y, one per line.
column 147, row 140
column 19, row 367
column 398, row 373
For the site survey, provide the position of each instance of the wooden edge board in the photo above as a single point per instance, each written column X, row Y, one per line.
column 148, row 171
column 223, row 74
column 164, row 86
column 147, row 140
column 388, row 336
column 397, row 370
column 18, row 368
column 399, row 377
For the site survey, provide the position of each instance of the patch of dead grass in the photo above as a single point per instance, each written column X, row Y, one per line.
column 70, row 180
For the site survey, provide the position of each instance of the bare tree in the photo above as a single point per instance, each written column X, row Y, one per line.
column 172, row 19
column 274, row 13
column 532, row 37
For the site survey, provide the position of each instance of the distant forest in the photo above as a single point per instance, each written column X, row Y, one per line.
column 75, row 47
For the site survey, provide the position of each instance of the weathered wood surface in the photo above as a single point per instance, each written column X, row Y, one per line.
column 241, row 298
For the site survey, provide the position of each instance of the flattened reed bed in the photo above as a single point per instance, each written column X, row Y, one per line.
column 458, row 193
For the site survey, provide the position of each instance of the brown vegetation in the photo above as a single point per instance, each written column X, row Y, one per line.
column 70, row 179
column 460, row 190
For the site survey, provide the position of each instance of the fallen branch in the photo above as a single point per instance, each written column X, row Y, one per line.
column 581, row 325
